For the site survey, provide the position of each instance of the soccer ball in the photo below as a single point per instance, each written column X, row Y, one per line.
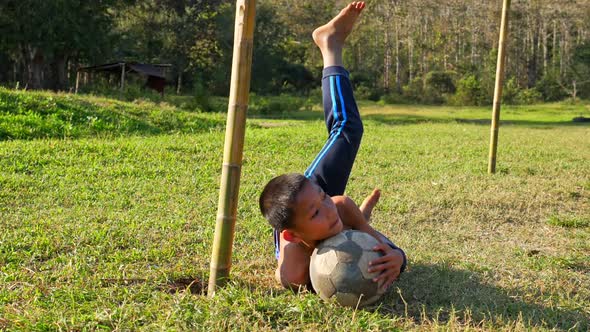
column 339, row 269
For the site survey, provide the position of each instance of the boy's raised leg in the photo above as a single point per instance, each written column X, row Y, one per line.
column 330, row 37
column 331, row 168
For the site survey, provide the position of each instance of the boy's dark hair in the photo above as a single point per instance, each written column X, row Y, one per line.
column 278, row 198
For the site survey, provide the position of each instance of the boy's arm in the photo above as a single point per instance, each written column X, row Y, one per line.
column 351, row 216
column 394, row 261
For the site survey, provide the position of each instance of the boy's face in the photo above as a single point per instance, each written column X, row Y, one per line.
column 316, row 217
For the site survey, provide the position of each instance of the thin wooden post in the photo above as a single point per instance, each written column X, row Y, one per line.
column 498, row 89
column 234, row 144
column 122, row 77
column 179, row 83
column 77, row 81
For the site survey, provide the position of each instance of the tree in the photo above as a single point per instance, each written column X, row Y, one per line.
column 42, row 47
column 183, row 33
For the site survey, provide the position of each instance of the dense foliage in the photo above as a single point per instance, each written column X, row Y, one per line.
column 403, row 51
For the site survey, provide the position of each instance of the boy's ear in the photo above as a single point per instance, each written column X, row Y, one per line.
column 291, row 236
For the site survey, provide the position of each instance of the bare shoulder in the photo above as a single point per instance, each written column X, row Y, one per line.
column 343, row 202
column 346, row 208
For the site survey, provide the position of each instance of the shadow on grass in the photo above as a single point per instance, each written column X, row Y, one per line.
column 299, row 115
column 409, row 119
column 435, row 292
column 193, row 285
column 406, row 119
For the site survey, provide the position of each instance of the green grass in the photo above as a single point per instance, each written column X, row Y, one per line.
column 112, row 229
column 26, row 115
column 566, row 221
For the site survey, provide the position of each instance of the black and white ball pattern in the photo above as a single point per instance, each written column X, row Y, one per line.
column 339, row 269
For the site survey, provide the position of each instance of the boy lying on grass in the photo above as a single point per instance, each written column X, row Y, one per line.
column 307, row 208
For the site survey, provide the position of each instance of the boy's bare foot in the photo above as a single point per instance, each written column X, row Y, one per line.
column 369, row 203
column 330, row 37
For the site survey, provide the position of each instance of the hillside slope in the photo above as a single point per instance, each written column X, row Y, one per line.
column 30, row 115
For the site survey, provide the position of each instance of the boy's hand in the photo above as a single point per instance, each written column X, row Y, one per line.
column 389, row 265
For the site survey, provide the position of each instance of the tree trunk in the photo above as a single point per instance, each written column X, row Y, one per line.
column 386, row 60
column 410, row 60
column 457, row 48
column 554, row 50
column 179, row 83
column 34, row 68
column 544, row 42
column 14, row 72
column 59, row 71
column 398, row 65
column 473, row 47
column 562, row 51
column 575, row 90
column 567, row 49
column 532, row 64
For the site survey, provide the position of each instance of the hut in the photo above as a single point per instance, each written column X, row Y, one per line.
column 155, row 73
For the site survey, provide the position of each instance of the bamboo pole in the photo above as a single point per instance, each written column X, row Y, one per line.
column 498, row 89
column 234, row 144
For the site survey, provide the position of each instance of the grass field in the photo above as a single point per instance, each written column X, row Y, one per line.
column 111, row 229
